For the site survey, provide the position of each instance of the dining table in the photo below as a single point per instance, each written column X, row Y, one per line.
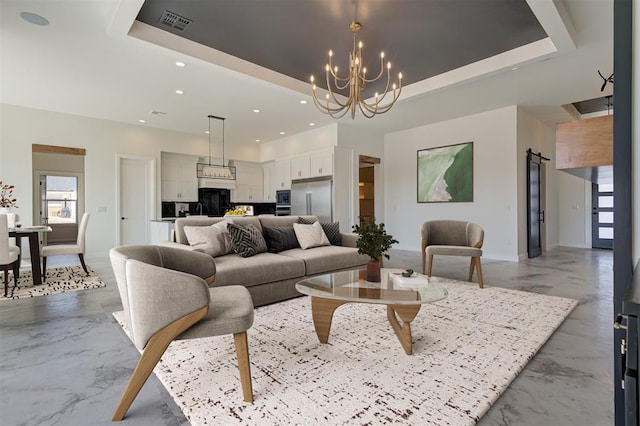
column 33, row 233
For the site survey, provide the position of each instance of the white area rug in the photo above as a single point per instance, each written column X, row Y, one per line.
column 467, row 349
column 59, row 280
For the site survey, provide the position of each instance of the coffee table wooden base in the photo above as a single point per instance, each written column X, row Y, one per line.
column 322, row 312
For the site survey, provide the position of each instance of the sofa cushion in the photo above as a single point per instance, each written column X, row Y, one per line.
column 310, row 235
column 259, row 269
column 213, row 240
column 246, row 240
column 331, row 229
column 280, row 238
column 328, row 258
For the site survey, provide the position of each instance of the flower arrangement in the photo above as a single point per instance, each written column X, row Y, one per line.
column 6, row 196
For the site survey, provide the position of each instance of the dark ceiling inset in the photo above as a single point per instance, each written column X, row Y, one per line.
column 422, row 38
column 604, row 103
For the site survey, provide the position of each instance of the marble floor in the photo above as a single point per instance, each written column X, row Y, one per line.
column 64, row 361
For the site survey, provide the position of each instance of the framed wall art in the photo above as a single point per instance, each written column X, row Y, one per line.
column 445, row 174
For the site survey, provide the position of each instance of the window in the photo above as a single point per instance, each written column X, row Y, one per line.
column 62, row 199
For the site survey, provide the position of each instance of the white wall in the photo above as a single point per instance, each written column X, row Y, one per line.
column 574, row 207
column 102, row 139
column 495, row 202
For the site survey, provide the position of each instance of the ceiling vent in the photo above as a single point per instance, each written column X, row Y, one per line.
column 175, row 21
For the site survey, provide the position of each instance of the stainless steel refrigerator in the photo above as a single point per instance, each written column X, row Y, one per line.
column 312, row 197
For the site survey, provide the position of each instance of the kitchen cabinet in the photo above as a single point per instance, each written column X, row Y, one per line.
column 179, row 180
column 322, row 164
column 283, row 174
column 269, row 182
column 249, row 183
column 300, row 167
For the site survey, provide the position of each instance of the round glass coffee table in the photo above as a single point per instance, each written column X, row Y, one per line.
column 330, row 291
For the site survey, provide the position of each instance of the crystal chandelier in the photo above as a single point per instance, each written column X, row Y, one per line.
column 356, row 81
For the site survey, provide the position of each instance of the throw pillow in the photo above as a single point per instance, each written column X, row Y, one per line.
column 246, row 240
column 310, row 235
column 331, row 230
column 280, row 238
column 213, row 240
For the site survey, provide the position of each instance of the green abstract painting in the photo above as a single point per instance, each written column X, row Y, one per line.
column 445, row 174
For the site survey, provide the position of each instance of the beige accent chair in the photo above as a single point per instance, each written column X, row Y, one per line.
column 9, row 254
column 452, row 238
column 166, row 297
column 59, row 249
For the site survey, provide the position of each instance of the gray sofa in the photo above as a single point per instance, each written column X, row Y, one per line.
column 271, row 277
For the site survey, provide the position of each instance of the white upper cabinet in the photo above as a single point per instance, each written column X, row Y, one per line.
column 249, row 183
column 179, row 180
column 269, row 182
column 300, row 167
column 322, row 164
column 283, row 174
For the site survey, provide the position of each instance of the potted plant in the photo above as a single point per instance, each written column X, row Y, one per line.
column 374, row 242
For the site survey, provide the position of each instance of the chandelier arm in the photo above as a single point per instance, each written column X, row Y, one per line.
column 328, row 110
column 382, row 109
column 367, row 80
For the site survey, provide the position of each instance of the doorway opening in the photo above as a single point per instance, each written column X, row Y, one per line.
column 367, row 188
column 58, row 192
column 602, row 216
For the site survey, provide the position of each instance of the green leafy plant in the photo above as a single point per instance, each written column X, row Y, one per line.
column 6, row 196
column 374, row 240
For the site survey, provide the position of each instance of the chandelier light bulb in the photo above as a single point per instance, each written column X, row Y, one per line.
column 326, row 68
column 327, row 96
column 312, row 78
column 399, row 76
column 382, row 55
column 314, row 87
column 360, row 45
column 393, row 86
column 330, row 53
column 364, row 70
column 388, row 65
column 335, row 69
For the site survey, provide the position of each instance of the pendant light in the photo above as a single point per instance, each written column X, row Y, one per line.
column 213, row 171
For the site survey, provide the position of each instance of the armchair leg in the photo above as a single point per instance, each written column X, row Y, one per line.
column 81, row 256
column 471, row 265
column 150, row 357
column 44, row 268
column 6, row 281
column 424, row 255
column 479, row 269
column 430, row 265
column 242, row 352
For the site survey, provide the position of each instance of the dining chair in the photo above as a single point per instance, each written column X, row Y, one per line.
column 9, row 254
column 61, row 249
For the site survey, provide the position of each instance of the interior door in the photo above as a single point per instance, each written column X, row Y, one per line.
column 535, row 213
column 134, row 214
column 602, row 216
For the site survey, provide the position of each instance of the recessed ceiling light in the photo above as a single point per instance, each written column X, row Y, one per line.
column 312, row 124
column 282, row 133
column 179, row 92
column 257, row 140
column 180, row 64
column 514, row 68
column 34, row 18
column 256, row 110
column 142, row 121
column 303, row 101
column 207, row 132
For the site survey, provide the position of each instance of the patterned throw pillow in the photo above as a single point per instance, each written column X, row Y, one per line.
column 280, row 238
column 331, row 230
column 246, row 240
column 213, row 240
column 310, row 235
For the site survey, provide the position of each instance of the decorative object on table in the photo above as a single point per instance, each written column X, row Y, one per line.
column 9, row 254
column 59, row 249
column 355, row 81
column 213, row 171
column 7, row 203
column 374, row 242
column 59, row 280
column 238, row 211
column 445, row 174
column 452, row 378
